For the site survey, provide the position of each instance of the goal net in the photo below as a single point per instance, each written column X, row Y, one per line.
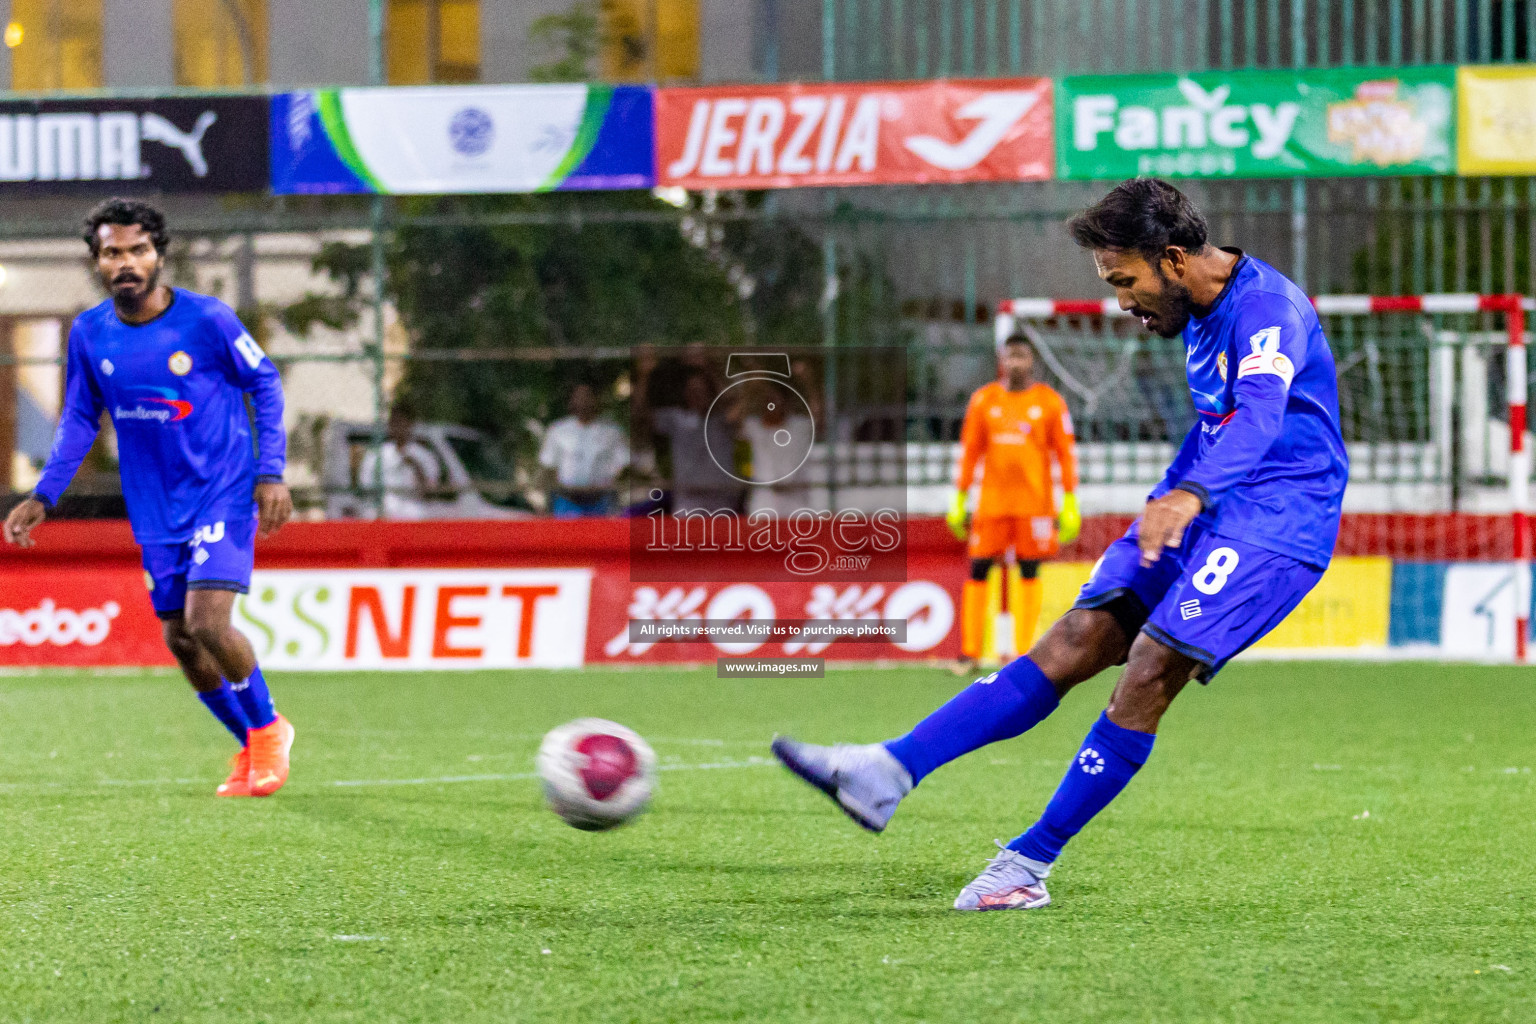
column 1433, row 556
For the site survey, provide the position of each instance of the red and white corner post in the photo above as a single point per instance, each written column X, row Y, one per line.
column 1519, row 465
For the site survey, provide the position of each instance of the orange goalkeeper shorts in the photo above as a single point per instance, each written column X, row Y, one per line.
column 1032, row 538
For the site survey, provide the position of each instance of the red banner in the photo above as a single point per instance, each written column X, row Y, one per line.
column 890, row 133
column 78, row 617
column 928, row 602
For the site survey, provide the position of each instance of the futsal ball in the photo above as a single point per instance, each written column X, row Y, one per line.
column 597, row 774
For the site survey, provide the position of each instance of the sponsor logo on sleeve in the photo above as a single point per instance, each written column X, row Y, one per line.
column 249, row 350
column 1267, row 358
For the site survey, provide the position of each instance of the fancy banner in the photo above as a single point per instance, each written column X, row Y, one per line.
column 1258, row 124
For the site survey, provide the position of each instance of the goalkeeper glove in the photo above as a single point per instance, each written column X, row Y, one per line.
column 956, row 516
column 1070, row 522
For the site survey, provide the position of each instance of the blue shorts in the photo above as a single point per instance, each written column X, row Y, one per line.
column 218, row 557
column 1207, row 599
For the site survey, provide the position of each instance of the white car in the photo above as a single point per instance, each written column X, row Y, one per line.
column 346, row 446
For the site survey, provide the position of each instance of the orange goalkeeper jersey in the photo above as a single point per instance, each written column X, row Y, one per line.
column 1013, row 435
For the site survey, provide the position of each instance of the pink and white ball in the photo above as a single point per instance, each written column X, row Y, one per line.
column 597, row 774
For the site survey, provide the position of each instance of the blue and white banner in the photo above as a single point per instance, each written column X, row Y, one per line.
column 1463, row 610
column 463, row 139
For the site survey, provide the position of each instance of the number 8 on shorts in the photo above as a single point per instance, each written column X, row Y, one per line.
column 1212, row 576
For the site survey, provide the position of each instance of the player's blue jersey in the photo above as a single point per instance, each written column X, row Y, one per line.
column 175, row 388
column 1266, row 455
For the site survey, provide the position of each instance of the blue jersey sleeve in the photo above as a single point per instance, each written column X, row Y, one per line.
column 249, row 369
column 79, row 421
column 1185, row 457
column 1275, row 352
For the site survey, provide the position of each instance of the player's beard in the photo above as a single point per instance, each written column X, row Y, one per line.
column 143, row 288
column 1177, row 306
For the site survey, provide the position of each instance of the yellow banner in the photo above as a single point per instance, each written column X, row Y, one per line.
column 1496, row 120
column 1347, row 608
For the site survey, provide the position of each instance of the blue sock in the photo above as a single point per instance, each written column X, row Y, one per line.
column 1108, row 758
column 999, row 707
column 226, row 709
column 254, row 699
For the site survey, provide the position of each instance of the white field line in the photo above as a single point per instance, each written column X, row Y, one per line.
column 23, row 787
column 751, row 762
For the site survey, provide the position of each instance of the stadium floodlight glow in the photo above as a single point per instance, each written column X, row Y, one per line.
column 1512, row 307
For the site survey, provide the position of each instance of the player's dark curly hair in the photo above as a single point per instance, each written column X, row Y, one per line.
column 1143, row 215
column 127, row 211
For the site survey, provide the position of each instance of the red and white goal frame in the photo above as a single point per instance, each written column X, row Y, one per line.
column 1513, row 308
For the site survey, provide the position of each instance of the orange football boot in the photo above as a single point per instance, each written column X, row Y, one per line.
column 269, row 756
column 239, row 781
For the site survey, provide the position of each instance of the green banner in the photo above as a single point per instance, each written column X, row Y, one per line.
column 1257, row 124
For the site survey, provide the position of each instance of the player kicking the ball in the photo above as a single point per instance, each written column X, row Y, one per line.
column 173, row 370
column 1237, row 533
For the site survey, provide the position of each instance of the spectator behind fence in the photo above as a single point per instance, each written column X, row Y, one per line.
column 413, row 474
column 585, row 455
column 778, row 434
column 703, row 439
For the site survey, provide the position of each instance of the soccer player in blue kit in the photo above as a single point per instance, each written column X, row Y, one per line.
column 1238, row 531
column 173, row 370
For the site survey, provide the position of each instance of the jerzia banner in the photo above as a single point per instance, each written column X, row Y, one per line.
column 195, row 144
column 885, row 133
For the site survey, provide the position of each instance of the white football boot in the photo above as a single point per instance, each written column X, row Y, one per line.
column 867, row 782
column 1009, row 883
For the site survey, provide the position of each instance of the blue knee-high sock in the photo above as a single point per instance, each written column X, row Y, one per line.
column 254, row 699
column 998, row 707
column 226, row 708
column 1108, row 758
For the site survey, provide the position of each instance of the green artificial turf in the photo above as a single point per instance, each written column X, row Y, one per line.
column 1238, row 879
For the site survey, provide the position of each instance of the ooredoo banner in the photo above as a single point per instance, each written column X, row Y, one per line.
column 462, row 139
column 78, row 617
column 781, row 136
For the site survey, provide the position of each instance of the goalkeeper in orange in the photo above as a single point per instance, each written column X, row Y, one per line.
column 1013, row 427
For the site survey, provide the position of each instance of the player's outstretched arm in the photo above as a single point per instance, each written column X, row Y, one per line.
column 79, row 421
column 20, row 523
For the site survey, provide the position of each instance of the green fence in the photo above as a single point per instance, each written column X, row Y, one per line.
column 925, row 266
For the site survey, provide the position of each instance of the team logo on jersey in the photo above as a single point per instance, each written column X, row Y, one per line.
column 180, row 363
column 107, row 367
column 1221, row 365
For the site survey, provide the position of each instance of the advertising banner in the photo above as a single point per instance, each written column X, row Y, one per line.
column 463, row 139
column 416, row 618
column 1257, row 124
column 887, row 133
column 1496, row 120
column 927, row 603
column 194, row 144
column 78, row 617
column 1347, row 608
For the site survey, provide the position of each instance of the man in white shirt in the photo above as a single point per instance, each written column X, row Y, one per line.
column 412, row 472
column 779, row 442
column 585, row 455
